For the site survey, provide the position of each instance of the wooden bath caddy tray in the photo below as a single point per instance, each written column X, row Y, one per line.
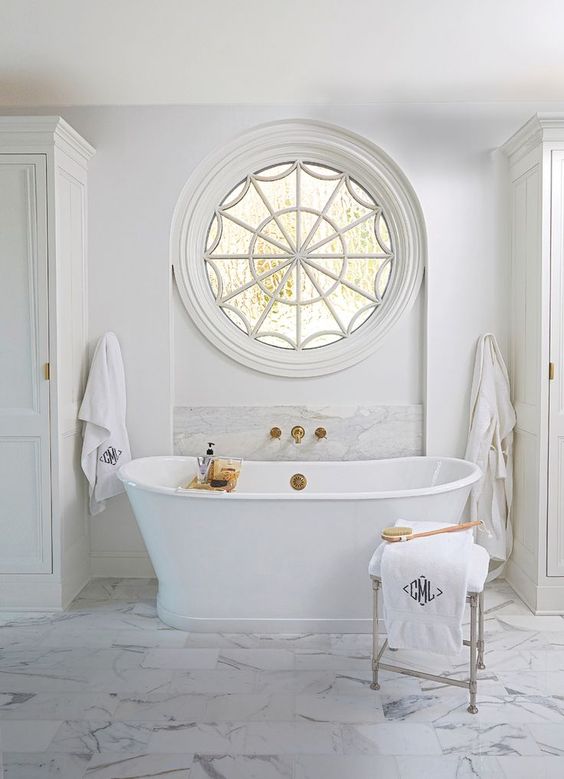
column 196, row 485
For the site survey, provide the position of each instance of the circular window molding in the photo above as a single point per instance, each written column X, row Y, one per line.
column 278, row 143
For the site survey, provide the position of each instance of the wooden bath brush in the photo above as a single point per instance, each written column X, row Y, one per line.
column 393, row 534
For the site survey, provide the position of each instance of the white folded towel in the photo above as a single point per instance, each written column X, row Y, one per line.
column 424, row 585
column 105, row 446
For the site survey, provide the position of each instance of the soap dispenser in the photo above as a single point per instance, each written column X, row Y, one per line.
column 204, row 463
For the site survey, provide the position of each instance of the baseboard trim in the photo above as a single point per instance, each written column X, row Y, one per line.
column 245, row 625
column 76, row 572
column 525, row 588
column 121, row 565
column 544, row 600
column 30, row 593
column 550, row 600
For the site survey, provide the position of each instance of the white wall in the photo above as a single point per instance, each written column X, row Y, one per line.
column 144, row 156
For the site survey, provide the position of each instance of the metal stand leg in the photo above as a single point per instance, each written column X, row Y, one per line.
column 472, row 708
column 375, row 648
column 476, row 645
column 481, row 665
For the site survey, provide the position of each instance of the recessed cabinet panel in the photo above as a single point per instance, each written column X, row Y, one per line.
column 71, row 314
column 18, row 274
column 21, row 521
column 555, row 539
column 526, row 311
column 525, row 488
column 524, row 363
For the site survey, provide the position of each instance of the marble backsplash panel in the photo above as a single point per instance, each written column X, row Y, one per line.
column 353, row 432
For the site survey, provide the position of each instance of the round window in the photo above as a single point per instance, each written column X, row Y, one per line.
column 297, row 248
column 299, row 255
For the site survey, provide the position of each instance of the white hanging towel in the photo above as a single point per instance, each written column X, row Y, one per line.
column 424, row 585
column 105, row 445
column 490, row 446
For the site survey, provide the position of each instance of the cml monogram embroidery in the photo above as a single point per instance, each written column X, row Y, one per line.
column 422, row 590
column 111, row 455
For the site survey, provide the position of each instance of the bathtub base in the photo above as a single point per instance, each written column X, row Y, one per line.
column 268, row 559
column 245, row 625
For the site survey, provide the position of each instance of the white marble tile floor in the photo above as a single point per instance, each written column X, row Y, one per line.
column 106, row 691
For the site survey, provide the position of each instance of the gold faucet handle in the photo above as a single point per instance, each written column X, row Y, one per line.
column 320, row 433
column 275, row 432
column 297, row 433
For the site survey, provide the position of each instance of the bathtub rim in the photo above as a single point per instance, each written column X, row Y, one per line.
column 468, row 480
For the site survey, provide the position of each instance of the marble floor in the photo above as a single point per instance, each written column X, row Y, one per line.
column 106, row 691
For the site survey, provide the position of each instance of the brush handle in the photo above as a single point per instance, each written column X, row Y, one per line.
column 452, row 529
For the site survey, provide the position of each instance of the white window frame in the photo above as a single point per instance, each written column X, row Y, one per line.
column 277, row 143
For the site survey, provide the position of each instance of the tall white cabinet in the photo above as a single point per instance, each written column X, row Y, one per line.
column 44, row 548
column 536, row 182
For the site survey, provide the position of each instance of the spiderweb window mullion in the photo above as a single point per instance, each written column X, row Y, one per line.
column 307, row 246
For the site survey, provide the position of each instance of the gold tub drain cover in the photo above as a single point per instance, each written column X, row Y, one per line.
column 298, row 481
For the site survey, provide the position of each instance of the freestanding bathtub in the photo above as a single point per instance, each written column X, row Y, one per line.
column 267, row 558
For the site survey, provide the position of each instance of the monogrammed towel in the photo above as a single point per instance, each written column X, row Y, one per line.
column 424, row 584
column 105, row 445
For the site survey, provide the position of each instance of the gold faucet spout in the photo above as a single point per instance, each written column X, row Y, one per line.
column 297, row 433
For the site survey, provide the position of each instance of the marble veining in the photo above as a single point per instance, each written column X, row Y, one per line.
column 106, row 691
column 353, row 432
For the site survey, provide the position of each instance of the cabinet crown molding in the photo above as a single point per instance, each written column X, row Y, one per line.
column 540, row 127
column 40, row 132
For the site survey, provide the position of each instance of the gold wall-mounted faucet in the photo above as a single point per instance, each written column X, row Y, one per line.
column 275, row 432
column 320, row 433
column 297, row 433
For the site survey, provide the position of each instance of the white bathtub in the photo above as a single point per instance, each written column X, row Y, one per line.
column 269, row 559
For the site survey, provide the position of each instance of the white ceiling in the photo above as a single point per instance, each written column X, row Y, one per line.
column 119, row 52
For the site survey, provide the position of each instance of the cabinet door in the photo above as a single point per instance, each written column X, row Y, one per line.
column 25, row 498
column 555, row 537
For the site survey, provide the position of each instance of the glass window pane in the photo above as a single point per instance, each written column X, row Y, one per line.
column 249, row 209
